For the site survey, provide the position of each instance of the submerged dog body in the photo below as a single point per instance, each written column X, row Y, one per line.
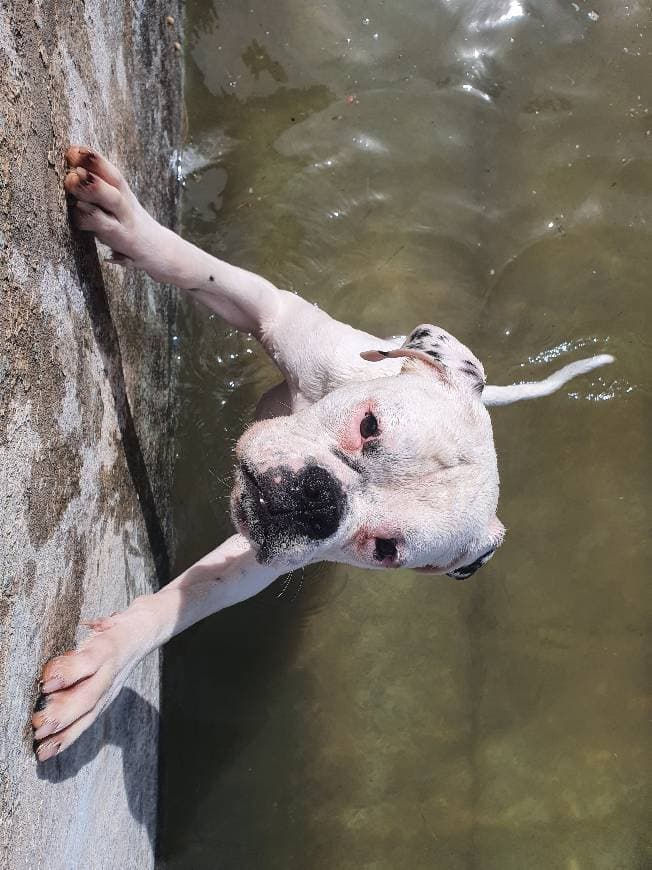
column 377, row 453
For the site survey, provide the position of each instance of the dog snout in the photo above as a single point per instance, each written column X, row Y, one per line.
column 308, row 503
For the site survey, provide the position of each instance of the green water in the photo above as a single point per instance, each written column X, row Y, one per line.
column 486, row 166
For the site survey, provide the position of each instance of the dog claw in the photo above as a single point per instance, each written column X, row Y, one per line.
column 106, row 206
column 41, row 701
column 47, row 750
column 118, row 259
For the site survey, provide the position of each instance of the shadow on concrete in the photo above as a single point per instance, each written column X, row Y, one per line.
column 131, row 723
column 91, row 281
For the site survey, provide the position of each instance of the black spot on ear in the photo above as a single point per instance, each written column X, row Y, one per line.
column 210, row 278
column 469, row 368
column 419, row 334
column 434, row 354
column 442, row 338
column 472, row 371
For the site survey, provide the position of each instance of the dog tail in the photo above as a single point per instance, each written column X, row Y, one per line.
column 492, row 396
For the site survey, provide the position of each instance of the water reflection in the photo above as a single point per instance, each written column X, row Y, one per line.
column 484, row 165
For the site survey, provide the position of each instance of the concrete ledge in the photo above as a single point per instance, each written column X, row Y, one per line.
column 86, row 413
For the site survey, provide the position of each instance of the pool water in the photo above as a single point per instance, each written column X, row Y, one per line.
column 486, row 166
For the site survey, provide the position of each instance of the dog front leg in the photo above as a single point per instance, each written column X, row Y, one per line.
column 104, row 204
column 297, row 335
column 77, row 686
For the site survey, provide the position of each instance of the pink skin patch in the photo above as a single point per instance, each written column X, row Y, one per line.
column 350, row 438
column 363, row 544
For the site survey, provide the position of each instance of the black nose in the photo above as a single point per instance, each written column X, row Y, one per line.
column 320, row 502
column 305, row 504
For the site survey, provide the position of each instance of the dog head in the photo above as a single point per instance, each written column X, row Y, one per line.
column 396, row 471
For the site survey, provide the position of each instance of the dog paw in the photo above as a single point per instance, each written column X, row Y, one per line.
column 103, row 203
column 78, row 685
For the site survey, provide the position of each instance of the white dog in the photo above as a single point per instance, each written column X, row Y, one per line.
column 372, row 452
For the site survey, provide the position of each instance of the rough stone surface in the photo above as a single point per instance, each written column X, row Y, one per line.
column 86, row 411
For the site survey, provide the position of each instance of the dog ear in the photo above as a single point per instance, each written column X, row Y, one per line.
column 482, row 549
column 440, row 352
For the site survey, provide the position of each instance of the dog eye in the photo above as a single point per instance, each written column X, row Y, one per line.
column 466, row 571
column 384, row 547
column 369, row 425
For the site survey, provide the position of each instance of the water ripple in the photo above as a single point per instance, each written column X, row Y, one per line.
column 565, row 347
column 617, row 389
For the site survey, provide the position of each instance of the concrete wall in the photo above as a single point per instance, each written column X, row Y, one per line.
column 86, row 363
